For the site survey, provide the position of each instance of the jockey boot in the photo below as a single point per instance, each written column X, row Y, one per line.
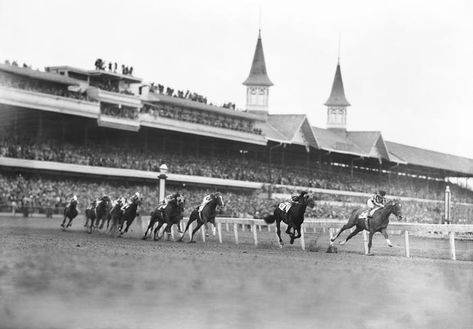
column 368, row 222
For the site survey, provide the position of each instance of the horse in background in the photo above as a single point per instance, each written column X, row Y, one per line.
column 205, row 214
column 129, row 215
column 90, row 212
column 101, row 212
column 171, row 214
column 71, row 212
column 378, row 223
column 292, row 214
column 115, row 215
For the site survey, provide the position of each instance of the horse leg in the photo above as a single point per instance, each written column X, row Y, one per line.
column 199, row 224
column 64, row 220
column 70, row 223
column 150, row 228
column 385, row 234
column 352, row 234
column 156, row 236
column 370, row 243
column 278, row 230
column 344, row 227
column 167, row 230
column 189, row 222
column 294, row 236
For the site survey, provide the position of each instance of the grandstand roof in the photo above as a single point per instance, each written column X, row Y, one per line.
column 290, row 129
column 258, row 74
column 153, row 97
column 337, row 95
column 39, row 75
column 427, row 158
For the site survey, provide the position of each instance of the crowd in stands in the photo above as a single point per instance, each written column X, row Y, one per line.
column 238, row 168
column 120, row 112
column 160, row 89
column 42, row 87
column 109, row 86
column 200, row 117
column 112, row 67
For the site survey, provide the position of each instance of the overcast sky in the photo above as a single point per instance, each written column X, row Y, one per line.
column 407, row 66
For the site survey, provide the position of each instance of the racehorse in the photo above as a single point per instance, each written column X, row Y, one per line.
column 101, row 212
column 294, row 217
column 90, row 213
column 115, row 215
column 205, row 215
column 70, row 212
column 129, row 215
column 378, row 223
column 171, row 214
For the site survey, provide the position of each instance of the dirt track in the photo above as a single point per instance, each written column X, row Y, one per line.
column 55, row 279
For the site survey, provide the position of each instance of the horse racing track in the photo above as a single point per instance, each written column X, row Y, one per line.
column 55, row 279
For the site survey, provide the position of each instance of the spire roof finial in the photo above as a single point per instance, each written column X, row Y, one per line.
column 337, row 95
column 258, row 74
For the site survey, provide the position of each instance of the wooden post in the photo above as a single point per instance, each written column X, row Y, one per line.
column 202, row 229
column 219, row 227
column 227, row 228
column 365, row 241
column 259, row 228
column 255, row 234
column 406, row 243
column 452, row 246
column 269, row 228
column 315, row 229
column 302, row 238
column 243, row 227
column 235, row 231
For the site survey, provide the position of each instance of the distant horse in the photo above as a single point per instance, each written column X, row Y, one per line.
column 294, row 217
column 90, row 213
column 70, row 212
column 115, row 215
column 171, row 214
column 378, row 223
column 129, row 215
column 206, row 215
column 101, row 212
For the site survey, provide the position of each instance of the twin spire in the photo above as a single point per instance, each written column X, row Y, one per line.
column 337, row 95
column 258, row 74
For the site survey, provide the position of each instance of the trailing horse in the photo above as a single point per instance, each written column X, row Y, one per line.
column 378, row 223
column 101, row 212
column 129, row 215
column 70, row 212
column 90, row 213
column 171, row 214
column 205, row 214
column 293, row 217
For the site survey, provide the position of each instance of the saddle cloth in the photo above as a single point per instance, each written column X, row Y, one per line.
column 206, row 200
column 285, row 206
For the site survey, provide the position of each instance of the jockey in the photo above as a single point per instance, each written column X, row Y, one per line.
column 168, row 199
column 74, row 198
column 297, row 197
column 375, row 202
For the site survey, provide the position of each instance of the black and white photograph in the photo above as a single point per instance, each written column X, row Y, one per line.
column 248, row 164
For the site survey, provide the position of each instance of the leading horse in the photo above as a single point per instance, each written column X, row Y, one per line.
column 171, row 214
column 378, row 223
column 205, row 215
column 70, row 211
column 294, row 217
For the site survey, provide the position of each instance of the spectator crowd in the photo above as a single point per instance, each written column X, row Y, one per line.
column 200, row 117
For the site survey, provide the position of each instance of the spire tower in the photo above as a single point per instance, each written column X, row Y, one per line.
column 337, row 103
column 258, row 83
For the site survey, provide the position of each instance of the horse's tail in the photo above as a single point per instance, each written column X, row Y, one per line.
column 269, row 219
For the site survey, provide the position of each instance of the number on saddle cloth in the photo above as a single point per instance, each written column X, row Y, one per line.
column 364, row 214
column 285, row 206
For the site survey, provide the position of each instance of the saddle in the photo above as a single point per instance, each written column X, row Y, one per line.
column 364, row 216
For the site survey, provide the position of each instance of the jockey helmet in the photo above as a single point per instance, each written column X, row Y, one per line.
column 136, row 195
column 74, row 198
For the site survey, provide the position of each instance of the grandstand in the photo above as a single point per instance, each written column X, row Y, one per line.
column 70, row 130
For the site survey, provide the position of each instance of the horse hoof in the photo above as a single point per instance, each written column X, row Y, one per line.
column 280, row 246
column 143, row 238
column 179, row 240
column 342, row 243
column 370, row 254
column 390, row 245
column 192, row 241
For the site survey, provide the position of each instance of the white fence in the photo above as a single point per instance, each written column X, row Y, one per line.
column 312, row 225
